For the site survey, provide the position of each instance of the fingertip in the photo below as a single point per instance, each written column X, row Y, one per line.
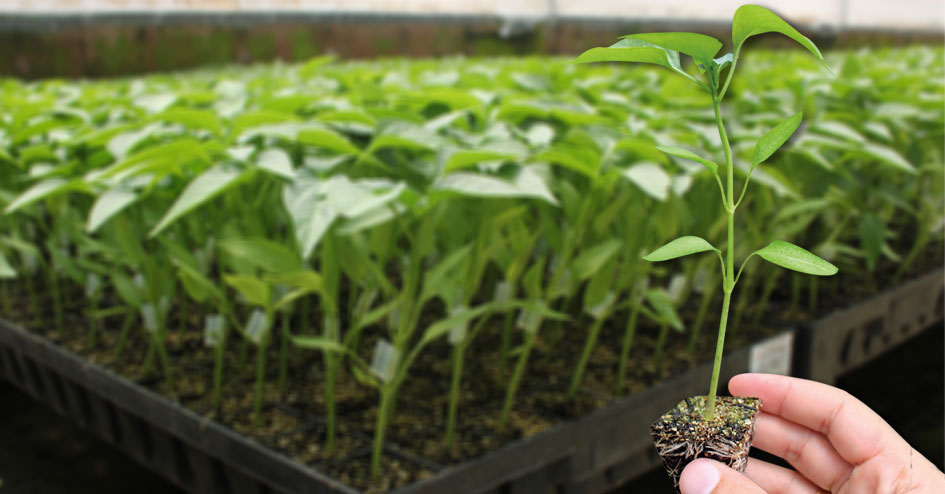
column 699, row 477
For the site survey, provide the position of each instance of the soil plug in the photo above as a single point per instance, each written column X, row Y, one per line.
column 683, row 434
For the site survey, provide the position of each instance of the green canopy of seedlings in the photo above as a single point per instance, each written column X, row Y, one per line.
column 344, row 224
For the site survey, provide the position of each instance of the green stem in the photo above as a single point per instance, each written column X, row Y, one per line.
column 516, row 380
column 34, row 299
column 123, row 334
column 506, row 344
column 284, row 353
column 93, row 321
column 57, row 302
column 331, row 372
column 770, row 284
column 456, row 380
column 159, row 337
column 729, row 274
column 657, row 358
column 707, row 297
column 628, row 336
column 260, row 376
column 589, row 344
column 379, row 429
column 218, row 353
column 5, row 299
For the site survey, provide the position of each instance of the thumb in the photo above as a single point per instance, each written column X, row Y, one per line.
column 704, row 476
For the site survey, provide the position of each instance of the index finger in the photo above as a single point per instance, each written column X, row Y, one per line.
column 855, row 431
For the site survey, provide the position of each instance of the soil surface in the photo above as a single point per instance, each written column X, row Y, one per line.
column 293, row 417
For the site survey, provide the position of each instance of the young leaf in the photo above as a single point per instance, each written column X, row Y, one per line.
column 699, row 46
column 254, row 290
column 107, row 205
column 205, row 187
column 661, row 301
column 265, row 254
column 593, row 258
column 689, row 155
column 792, row 257
column 775, row 138
column 311, row 214
column 750, row 20
column 682, row 246
column 635, row 50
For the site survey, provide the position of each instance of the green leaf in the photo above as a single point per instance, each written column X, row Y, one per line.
column 792, row 257
column 468, row 158
column 6, row 270
column 775, row 138
column 651, row 178
column 107, row 205
column 205, row 187
column 198, row 286
column 127, row 290
column 592, row 259
column 750, row 20
column 663, row 303
column 527, row 184
column 886, row 156
column 689, row 155
column 277, row 162
column 326, row 139
column 635, row 50
column 682, row 246
column 319, row 343
column 311, row 214
column 699, row 46
column 443, row 326
column 254, row 290
column 305, row 278
column 264, row 254
column 872, row 233
column 41, row 190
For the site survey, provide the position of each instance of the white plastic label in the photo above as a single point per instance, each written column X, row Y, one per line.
column 149, row 317
column 528, row 321
column 257, row 326
column 92, row 284
column 772, row 356
column 458, row 332
column 213, row 330
column 503, row 292
column 385, row 360
column 601, row 308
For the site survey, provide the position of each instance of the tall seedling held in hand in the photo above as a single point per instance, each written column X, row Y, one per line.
column 664, row 49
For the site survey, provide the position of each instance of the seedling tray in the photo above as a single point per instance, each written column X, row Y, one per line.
column 849, row 338
column 591, row 455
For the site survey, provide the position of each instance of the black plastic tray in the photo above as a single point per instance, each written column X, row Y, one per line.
column 851, row 337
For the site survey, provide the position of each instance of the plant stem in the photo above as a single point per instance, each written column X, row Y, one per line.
column 628, row 336
column 123, row 334
column 159, row 337
column 5, row 299
column 707, row 297
column 657, row 358
column 57, row 302
column 93, row 321
column 729, row 283
column 260, row 375
column 506, row 343
column 457, row 377
column 331, row 373
column 284, row 353
column 516, row 379
column 379, row 430
column 585, row 355
column 218, row 353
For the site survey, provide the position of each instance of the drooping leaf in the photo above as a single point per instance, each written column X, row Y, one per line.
column 689, row 155
column 682, row 246
column 311, row 214
column 886, row 156
column 43, row 189
column 205, row 187
column 750, row 20
column 592, row 259
column 254, row 290
column 107, row 205
column 663, row 303
column 271, row 257
column 635, row 50
column 651, row 178
column 699, row 46
column 795, row 258
column 775, row 138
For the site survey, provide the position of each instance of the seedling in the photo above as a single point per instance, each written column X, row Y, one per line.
column 664, row 49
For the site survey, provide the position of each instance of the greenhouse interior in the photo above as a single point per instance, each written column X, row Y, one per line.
column 520, row 247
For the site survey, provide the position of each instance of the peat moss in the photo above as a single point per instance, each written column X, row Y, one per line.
column 683, row 434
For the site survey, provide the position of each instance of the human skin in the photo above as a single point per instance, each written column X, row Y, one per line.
column 835, row 443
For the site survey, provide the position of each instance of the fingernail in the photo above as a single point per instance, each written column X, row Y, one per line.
column 699, row 477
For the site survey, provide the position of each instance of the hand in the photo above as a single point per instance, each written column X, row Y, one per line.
column 834, row 441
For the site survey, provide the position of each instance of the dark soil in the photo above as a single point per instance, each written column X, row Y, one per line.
column 293, row 421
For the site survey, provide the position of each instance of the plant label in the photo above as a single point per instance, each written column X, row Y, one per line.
column 149, row 318
column 503, row 292
column 772, row 356
column 257, row 326
column 528, row 321
column 385, row 360
column 458, row 332
column 213, row 330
